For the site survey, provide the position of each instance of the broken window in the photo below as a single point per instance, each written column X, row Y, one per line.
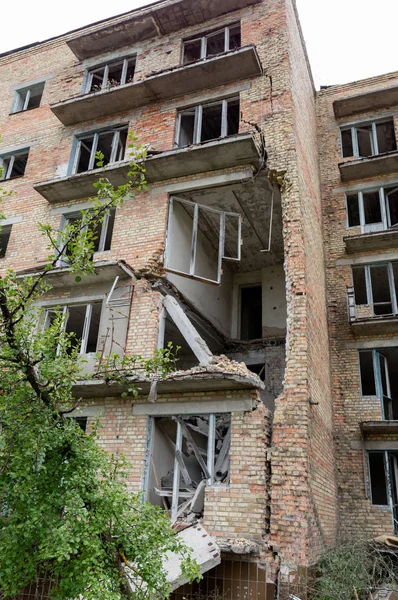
column 383, row 474
column 5, row 232
column 188, row 453
column 373, row 210
column 14, row 165
column 112, row 74
column 368, row 139
column 102, row 231
column 376, row 285
column 111, row 142
column 211, row 44
column 199, row 238
column 82, row 322
column 207, row 122
column 28, row 98
column 379, row 377
column 251, row 312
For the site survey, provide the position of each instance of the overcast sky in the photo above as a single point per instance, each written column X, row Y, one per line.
column 346, row 39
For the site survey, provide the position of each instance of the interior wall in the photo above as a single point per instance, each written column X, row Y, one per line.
column 274, row 301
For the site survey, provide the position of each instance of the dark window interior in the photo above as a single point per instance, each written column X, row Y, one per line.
column 75, row 323
column 380, row 290
column 211, row 122
column 94, row 327
column 192, row 51
column 368, row 385
column 82, row 422
column 392, row 201
column 85, row 153
column 109, row 231
column 18, row 167
column 97, row 79
column 251, row 313
column 346, row 140
column 35, row 97
column 386, row 137
column 187, row 127
column 371, row 207
column 105, row 141
column 5, row 233
column 258, row 370
column 233, row 117
column 234, row 37
column 353, row 210
column 215, row 43
column 358, row 276
column 115, row 74
column 378, row 481
column 364, row 136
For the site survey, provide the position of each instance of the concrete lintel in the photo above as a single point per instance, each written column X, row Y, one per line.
column 17, row 148
column 32, row 82
column 10, row 221
column 371, row 344
column 87, row 411
column 205, row 96
column 207, row 181
column 374, row 445
column 365, row 185
column 371, row 241
column 193, row 408
column 187, row 330
column 375, row 326
column 366, row 260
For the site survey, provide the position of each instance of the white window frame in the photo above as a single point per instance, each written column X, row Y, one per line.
column 204, row 37
column 65, row 316
column 11, row 157
column 20, row 104
column 221, row 246
column 197, row 133
column 354, row 136
column 382, row 225
column 104, row 85
column 95, row 137
column 369, row 290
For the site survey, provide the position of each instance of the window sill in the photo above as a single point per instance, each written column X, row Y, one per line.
column 377, row 240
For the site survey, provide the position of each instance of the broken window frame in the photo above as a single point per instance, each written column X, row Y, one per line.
column 197, row 129
column 381, row 384
column 65, row 220
column 390, row 460
column 115, row 153
column 354, row 137
column 105, row 66
column 7, row 163
column 203, row 41
column 23, row 96
column 64, row 310
column 208, row 467
column 385, row 223
column 221, row 247
column 369, row 288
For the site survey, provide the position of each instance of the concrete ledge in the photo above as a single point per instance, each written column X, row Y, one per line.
column 375, row 325
column 371, row 241
column 190, row 408
column 162, row 18
column 186, row 79
column 219, row 154
column 363, row 102
column 370, row 166
column 379, row 426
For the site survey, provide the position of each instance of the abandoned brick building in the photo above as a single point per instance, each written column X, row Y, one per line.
column 264, row 246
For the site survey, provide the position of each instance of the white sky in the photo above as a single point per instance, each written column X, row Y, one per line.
column 347, row 40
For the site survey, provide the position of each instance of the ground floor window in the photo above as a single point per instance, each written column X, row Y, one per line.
column 383, row 473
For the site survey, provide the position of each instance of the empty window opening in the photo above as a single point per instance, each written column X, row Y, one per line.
column 5, row 232
column 110, row 75
column 368, row 139
column 211, row 44
column 199, row 238
column 373, row 210
column 14, row 165
column 82, row 322
column 251, row 312
column 112, row 144
column 28, row 98
column 379, row 377
column 207, row 122
column 376, row 286
column 378, row 478
column 82, row 422
column 102, row 232
column 188, row 453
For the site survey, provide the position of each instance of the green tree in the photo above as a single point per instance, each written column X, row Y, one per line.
column 64, row 505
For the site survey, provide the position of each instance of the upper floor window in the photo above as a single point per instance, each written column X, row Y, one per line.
column 82, row 322
column 368, row 139
column 207, row 122
column 102, row 233
column 28, row 97
column 211, row 44
column 377, row 285
column 109, row 75
column 373, row 210
column 14, row 164
column 111, row 142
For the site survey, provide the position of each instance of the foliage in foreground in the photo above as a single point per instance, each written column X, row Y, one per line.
column 64, row 505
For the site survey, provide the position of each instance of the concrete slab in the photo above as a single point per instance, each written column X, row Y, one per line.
column 379, row 426
column 370, row 166
column 353, row 105
column 375, row 325
column 219, row 154
column 148, row 22
column 371, row 241
column 186, row 79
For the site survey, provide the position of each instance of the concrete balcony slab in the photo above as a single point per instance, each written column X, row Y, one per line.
column 375, row 100
column 379, row 427
column 378, row 325
column 186, row 79
column 371, row 166
column 219, row 154
column 371, row 241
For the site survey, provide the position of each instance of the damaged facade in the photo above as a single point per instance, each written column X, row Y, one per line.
column 276, row 433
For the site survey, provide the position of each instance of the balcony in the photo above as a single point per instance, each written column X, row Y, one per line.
column 371, row 166
column 364, row 321
column 218, row 154
column 369, row 427
column 186, row 79
column 363, row 102
column 378, row 240
column 149, row 22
